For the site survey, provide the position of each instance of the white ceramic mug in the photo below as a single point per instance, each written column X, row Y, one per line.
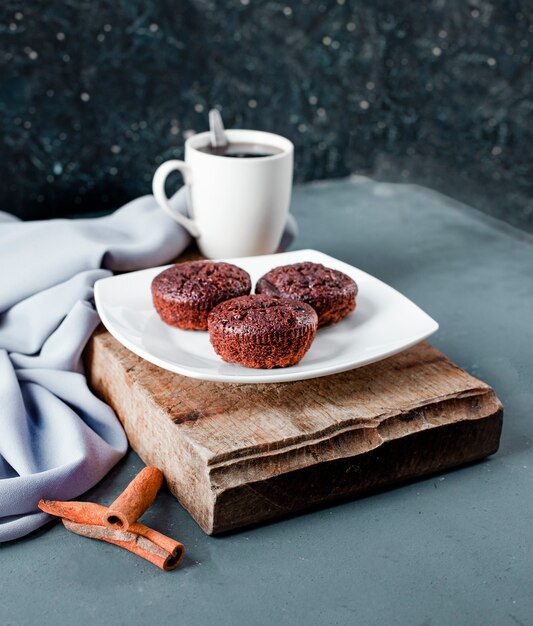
column 238, row 206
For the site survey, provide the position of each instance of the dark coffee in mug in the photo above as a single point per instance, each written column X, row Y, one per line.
column 242, row 150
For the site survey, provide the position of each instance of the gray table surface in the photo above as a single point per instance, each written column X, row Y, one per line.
column 451, row 549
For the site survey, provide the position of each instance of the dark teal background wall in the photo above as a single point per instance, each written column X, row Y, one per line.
column 95, row 93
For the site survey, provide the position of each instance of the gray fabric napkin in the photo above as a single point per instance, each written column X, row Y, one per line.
column 57, row 439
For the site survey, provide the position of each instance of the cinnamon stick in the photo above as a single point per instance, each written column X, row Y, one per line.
column 134, row 500
column 82, row 512
column 85, row 518
column 165, row 558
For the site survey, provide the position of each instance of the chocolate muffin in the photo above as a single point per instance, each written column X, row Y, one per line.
column 330, row 292
column 262, row 331
column 184, row 294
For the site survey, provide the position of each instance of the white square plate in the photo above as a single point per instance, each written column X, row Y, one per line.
column 385, row 322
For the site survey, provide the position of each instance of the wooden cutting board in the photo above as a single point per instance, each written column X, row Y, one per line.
column 238, row 454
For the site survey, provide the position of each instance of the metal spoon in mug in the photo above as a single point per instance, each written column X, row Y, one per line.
column 219, row 140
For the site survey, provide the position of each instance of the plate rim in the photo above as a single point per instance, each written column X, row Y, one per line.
column 271, row 376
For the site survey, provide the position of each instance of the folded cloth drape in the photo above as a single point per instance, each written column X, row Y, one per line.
column 57, row 439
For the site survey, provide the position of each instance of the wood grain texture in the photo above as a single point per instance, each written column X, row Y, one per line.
column 239, row 454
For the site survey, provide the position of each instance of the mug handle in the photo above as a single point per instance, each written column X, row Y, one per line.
column 158, row 188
